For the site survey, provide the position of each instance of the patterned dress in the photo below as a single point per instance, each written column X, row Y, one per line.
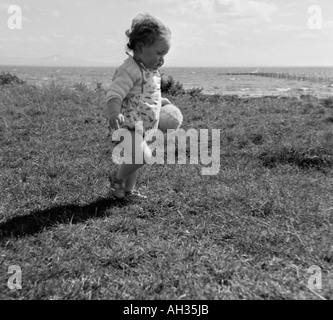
column 139, row 90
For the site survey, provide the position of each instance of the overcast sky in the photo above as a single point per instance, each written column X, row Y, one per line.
column 204, row 32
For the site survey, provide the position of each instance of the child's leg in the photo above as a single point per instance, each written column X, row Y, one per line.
column 130, row 182
column 139, row 150
column 127, row 170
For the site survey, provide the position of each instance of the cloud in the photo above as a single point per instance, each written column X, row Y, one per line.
column 32, row 40
column 185, row 25
column 48, row 12
column 55, row 13
column 225, row 45
column 246, row 9
column 285, row 28
column 222, row 28
column 191, row 7
column 307, row 35
column 82, row 4
column 327, row 24
column 4, row 6
column 78, row 41
column 232, row 9
column 290, row 5
column 191, row 42
column 57, row 36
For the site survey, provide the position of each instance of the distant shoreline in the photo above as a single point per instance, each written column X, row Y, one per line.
column 166, row 67
column 214, row 81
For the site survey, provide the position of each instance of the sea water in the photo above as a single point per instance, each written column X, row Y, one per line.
column 316, row 81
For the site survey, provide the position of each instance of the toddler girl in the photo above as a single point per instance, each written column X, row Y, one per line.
column 134, row 99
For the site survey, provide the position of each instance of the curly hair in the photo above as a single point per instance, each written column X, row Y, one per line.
column 146, row 29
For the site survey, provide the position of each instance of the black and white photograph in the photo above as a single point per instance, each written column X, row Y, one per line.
column 166, row 155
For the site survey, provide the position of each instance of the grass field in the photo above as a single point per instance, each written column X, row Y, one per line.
column 249, row 232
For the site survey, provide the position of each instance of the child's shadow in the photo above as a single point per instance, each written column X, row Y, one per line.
column 36, row 221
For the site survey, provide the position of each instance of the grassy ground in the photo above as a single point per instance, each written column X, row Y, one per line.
column 249, row 232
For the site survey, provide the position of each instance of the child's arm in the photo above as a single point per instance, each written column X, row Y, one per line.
column 121, row 85
column 113, row 114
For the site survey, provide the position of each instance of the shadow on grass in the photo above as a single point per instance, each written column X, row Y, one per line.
column 36, row 221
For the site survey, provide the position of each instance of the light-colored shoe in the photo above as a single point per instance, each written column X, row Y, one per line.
column 117, row 187
column 134, row 194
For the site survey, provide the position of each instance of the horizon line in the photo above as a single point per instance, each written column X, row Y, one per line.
column 105, row 65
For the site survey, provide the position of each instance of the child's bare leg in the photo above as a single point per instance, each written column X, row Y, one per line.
column 130, row 182
column 129, row 172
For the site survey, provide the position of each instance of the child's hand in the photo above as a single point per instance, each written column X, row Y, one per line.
column 165, row 101
column 115, row 120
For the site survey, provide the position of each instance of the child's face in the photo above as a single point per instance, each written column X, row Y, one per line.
column 152, row 56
